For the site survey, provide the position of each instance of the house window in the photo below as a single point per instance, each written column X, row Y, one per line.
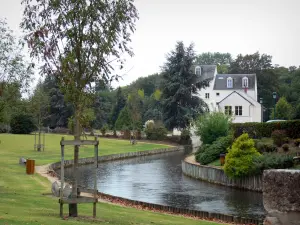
column 245, row 82
column 206, row 95
column 229, row 82
column 218, row 94
column 228, row 110
column 198, row 70
column 238, row 110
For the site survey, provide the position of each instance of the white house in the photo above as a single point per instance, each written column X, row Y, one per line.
column 234, row 94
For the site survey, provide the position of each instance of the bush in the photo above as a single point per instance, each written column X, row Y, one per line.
column 239, row 160
column 156, row 132
column 104, row 130
column 285, row 147
column 279, row 137
column 259, row 130
column 209, row 153
column 297, row 142
column 211, row 126
column 271, row 161
column 265, row 147
column 185, row 137
column 22, row 124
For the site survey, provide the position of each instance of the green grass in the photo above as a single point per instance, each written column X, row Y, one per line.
column 21, row 196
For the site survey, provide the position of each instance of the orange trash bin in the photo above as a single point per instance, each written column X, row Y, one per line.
column 30, row 166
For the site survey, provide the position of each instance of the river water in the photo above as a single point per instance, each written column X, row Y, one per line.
column 158, row 179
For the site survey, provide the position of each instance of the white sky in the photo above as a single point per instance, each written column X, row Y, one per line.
column 234, row 26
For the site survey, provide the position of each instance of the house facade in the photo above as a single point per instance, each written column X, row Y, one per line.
column 233, row 94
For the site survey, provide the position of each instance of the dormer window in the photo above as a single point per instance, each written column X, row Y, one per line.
column 229, row 82
column 198, row 70
column 245, row 82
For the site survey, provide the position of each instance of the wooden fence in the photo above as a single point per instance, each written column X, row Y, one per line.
column 217, row 176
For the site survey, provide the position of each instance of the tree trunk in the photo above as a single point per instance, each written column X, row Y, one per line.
column 73, row 207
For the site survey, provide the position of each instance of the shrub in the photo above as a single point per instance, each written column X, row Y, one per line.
column 297, row 142
column 22, row 124
column 285, row 147
column 279, row 137
column 259, row 130
column 239, row 160
column 265, row 147
column 211, row 126
column 271, row 161
column 209, row 153
column 185, row 137
column 156, row 132
column 104, row 130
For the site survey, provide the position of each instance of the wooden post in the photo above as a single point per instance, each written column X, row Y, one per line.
column 44, row 142
column 34, row 141
column 95, row 174
column 62, row 177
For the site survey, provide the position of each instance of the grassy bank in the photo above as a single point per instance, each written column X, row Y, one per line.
column 22, row 199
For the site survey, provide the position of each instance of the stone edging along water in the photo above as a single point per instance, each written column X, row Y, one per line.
column 217, row 176
column 151, row 206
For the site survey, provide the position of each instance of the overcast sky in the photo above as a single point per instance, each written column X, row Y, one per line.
column 234, row 26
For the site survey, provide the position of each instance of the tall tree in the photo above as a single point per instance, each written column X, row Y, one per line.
column 283, row 110
column 118, row 106
column 180, row 102
column 76, row 42
column 135, row 108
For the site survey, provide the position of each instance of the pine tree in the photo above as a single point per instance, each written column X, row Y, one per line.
column 180, row 87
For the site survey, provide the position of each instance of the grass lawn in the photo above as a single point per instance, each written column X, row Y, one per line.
column 21, row 196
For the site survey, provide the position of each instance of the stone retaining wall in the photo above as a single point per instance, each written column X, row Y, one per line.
column 217, row 176
column 84, row 161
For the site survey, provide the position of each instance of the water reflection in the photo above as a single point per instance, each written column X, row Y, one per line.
column 159, row 179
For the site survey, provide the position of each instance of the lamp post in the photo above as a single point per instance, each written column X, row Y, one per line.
column 274, row 97
column 262, row 112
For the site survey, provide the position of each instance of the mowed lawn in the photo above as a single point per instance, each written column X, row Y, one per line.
column 23, row 199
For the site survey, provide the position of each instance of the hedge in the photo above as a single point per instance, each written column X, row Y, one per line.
column 259, row 130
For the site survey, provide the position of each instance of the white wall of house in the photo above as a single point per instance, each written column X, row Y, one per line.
column 251, row 112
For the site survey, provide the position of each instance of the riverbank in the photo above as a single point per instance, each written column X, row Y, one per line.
column 25, row 199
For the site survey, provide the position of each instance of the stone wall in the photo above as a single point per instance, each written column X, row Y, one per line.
column 217, row 176
column 281, row 196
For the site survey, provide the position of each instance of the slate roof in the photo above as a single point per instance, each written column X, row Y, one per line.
column 221, row 81
column 207, row 71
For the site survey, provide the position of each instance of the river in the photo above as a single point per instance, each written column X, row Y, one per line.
column 158, row 179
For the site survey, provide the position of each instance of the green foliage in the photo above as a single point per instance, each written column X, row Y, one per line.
column 283, row 110
column 135, row 107
column 157, row 131
column 208, row 153
column 104, row 130
column 124, row 120
column 259, row 130
column 265, row 147
column 285, row 147
column 22, row 124
column 211, row 126
column 185, row 137
column 239, row 160
column 279, row 137
column 181, row 103
column 118, row 106
column 4, row 128
column 271, row 161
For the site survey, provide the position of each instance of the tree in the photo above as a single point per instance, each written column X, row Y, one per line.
column 222, row 60
column 13, row 66
column 135, row 108
column 153, row 108
column 76, row 41
column 239, row 160
column 283, row 110
column 119, row 105
column 180, row 102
